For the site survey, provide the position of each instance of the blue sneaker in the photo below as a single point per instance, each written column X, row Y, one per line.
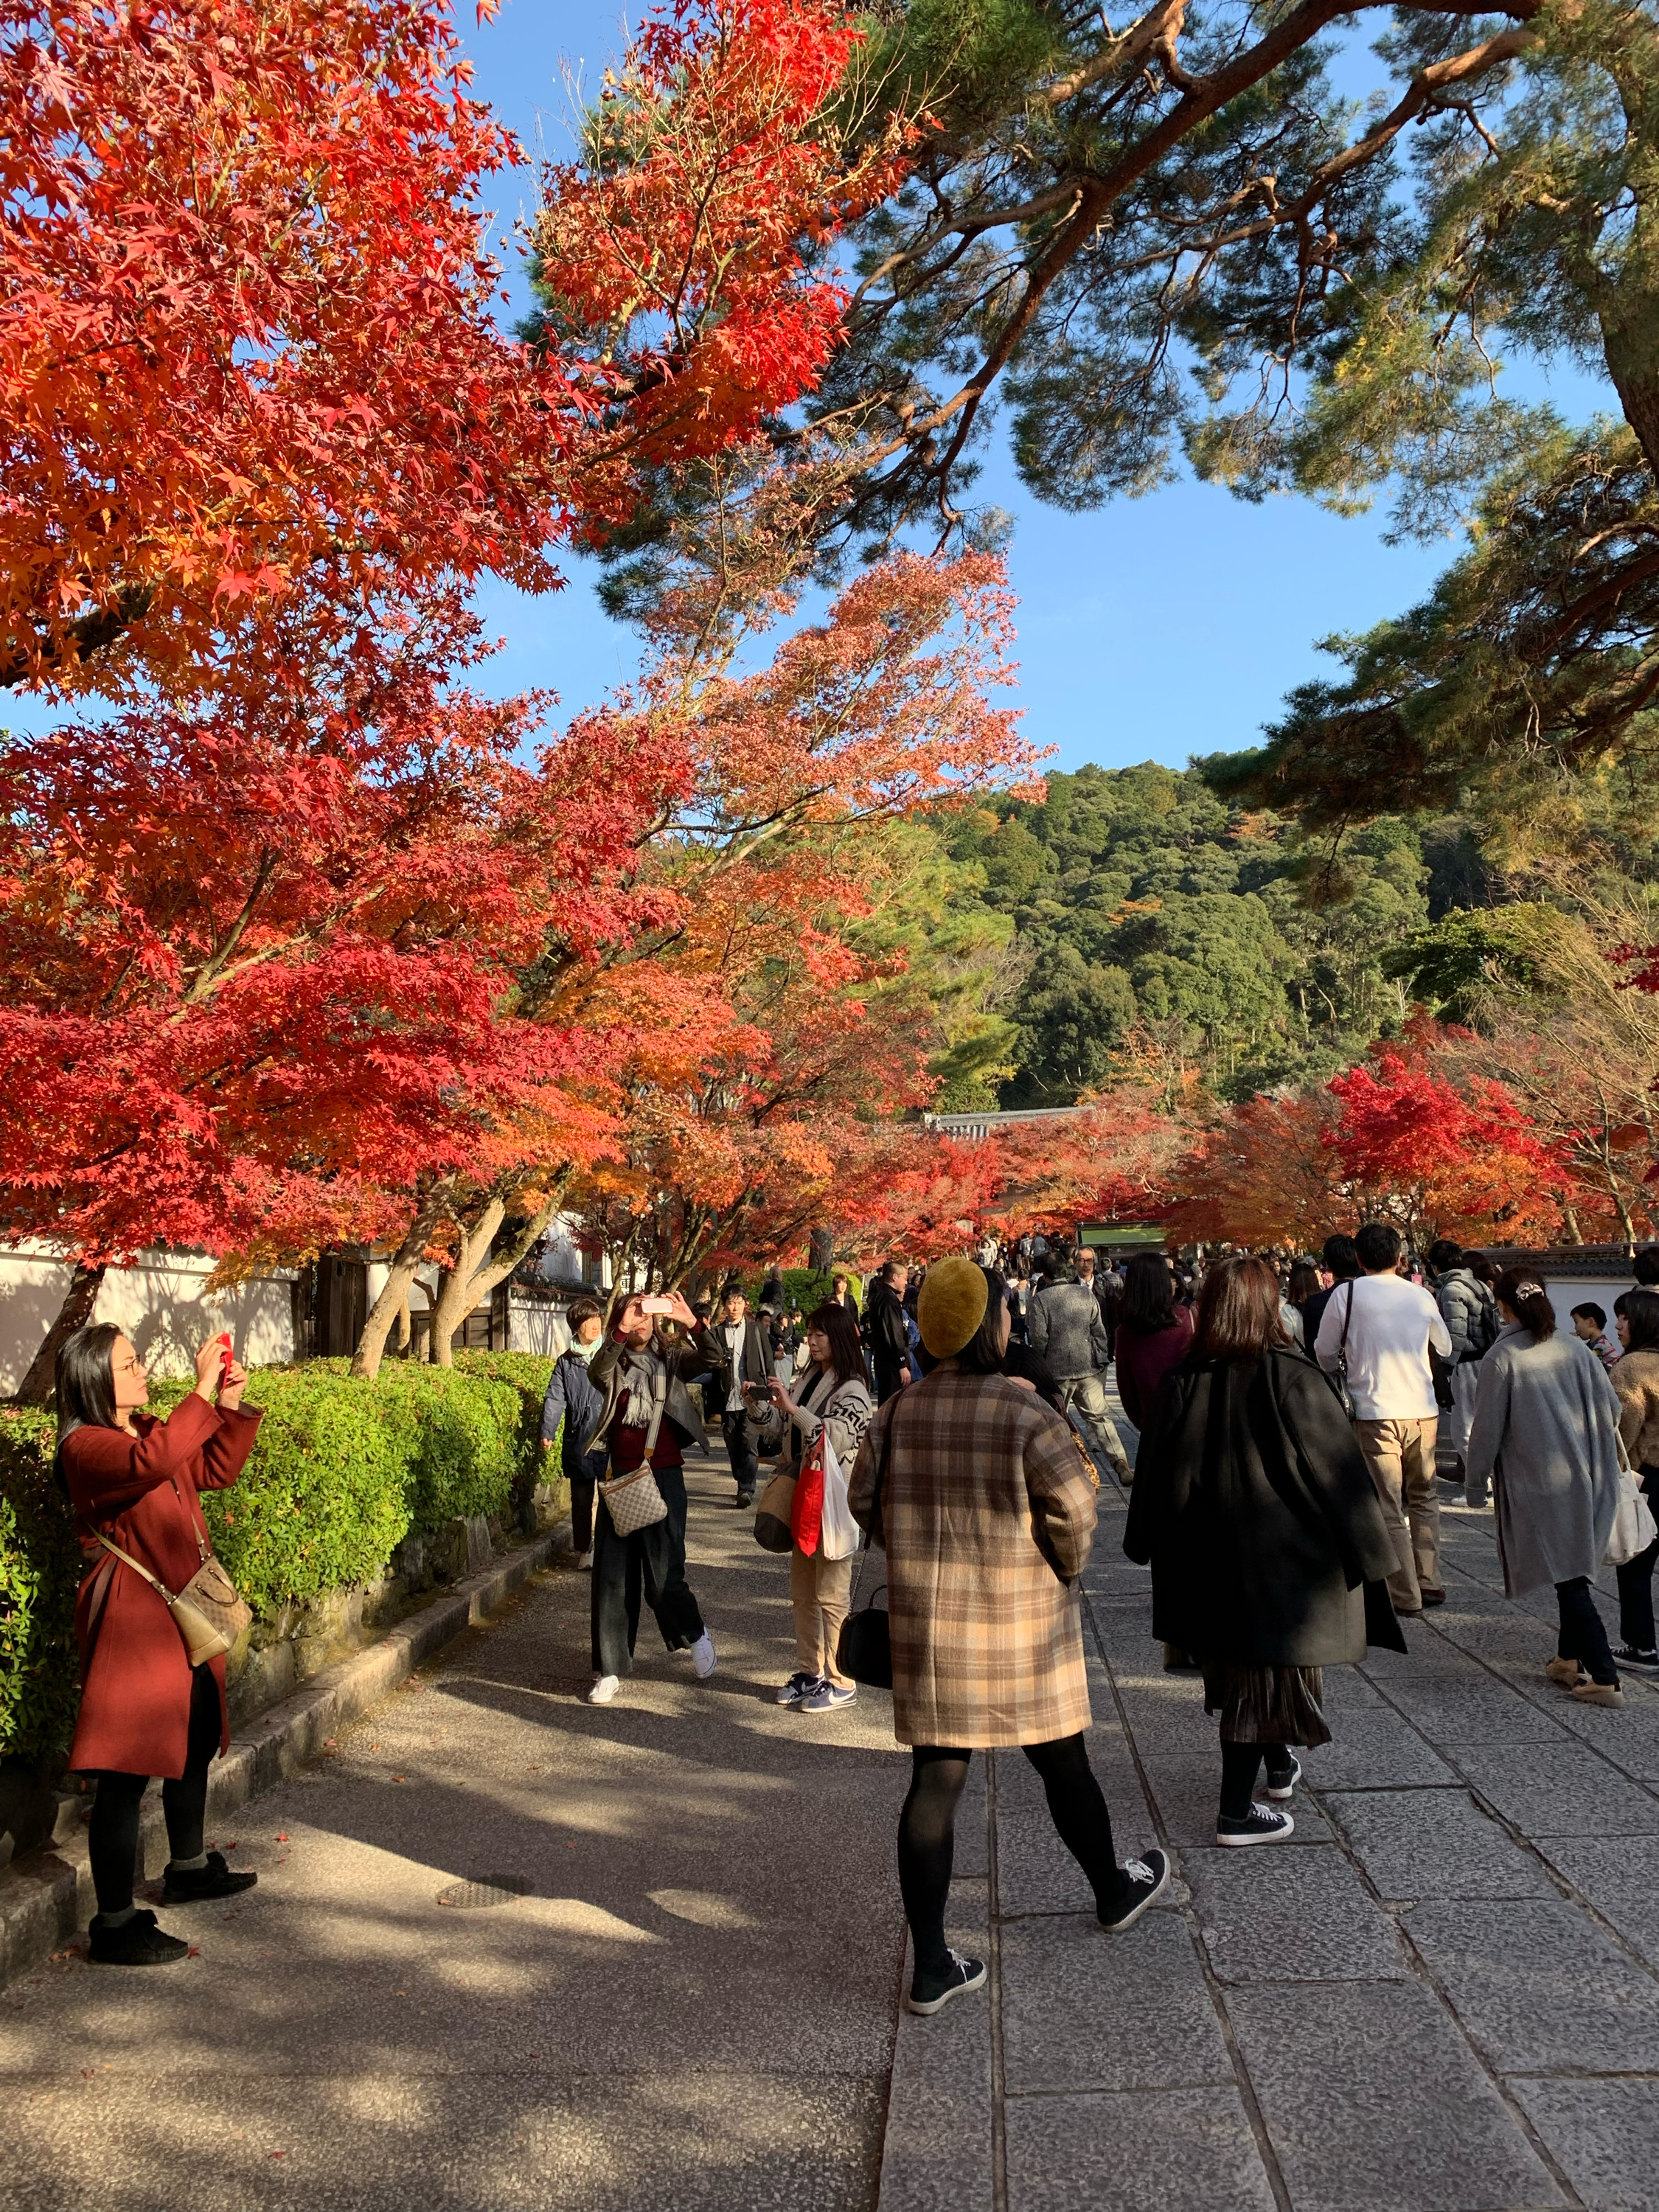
column 825, row 1697
column 798, row 1685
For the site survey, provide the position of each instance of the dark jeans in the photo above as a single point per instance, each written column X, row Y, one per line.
column 112, row 1830
column 651, row 1562
column 734, row 1427
column 1583, row 1632
column 926, row 1836
column 1636, row 1579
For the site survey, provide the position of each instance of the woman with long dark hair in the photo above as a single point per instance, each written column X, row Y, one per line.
column 1255, row 1511
column 985, row 1502
column 1153, row 1333
column 1544, row 1432
column 1636, row 1379
column 144, row 1709
column 835, row 1397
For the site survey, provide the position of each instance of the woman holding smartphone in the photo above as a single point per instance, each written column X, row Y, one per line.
column 144, row 1709
column 641, row 1371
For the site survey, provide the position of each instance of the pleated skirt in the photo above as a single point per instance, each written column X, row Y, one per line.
column 1266, row 1705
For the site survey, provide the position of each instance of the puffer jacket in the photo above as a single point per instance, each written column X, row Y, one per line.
column 1470, row 1312
column 1068, row 1332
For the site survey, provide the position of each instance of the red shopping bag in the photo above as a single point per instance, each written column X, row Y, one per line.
column 808, row 1514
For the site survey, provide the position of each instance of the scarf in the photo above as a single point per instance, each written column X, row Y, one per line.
column 639, row 1372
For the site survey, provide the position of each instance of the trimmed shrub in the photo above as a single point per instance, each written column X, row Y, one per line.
column 342, row 1472
column 458, row 1434
column 528, row 1373
column 324, row 1499
column 39, row 1574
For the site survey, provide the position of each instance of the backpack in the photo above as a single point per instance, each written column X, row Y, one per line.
column 1484, row 1333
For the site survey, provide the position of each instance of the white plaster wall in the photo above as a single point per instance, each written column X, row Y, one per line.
column 1565, row 1293
column 536, row 1327
column 162, row 1302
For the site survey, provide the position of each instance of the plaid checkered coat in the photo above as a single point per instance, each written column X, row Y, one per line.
column 987, row 1513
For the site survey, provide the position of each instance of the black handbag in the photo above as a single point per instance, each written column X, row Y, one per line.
column 864, row 1649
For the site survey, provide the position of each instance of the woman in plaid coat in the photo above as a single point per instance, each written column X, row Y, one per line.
column 986, row 1505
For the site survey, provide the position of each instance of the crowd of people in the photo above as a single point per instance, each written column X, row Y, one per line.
column 1298, row 1420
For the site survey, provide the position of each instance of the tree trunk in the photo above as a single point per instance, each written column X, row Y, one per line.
column 456, row 1296
column 487, row 1268
column 394, row 1296
column 37, row 1386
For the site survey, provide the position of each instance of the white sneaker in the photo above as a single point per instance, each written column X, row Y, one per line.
column 585, row 1562
column 703, row 1655
column 605, row 1687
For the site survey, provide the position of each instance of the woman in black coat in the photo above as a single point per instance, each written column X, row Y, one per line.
column 1254, row 1509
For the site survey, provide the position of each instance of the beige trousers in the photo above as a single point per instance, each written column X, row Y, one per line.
column 1401, row 1457
column 822, row 1591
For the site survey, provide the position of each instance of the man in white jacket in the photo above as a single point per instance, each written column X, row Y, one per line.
column 1385, row 1325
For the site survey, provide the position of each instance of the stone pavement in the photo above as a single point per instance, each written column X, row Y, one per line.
column 1442, row 1993
column 689, row 2008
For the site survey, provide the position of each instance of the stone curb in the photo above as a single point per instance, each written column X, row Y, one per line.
column 46, row 1895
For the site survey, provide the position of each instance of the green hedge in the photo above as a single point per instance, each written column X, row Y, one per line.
column 343, row 1471
column 39, row 1574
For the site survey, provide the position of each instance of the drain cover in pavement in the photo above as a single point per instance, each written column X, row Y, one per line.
column 484, row 1889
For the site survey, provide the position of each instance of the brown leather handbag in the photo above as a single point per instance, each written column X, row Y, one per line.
column 208, row 1612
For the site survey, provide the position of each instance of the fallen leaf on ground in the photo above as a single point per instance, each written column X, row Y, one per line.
column 282, row 1837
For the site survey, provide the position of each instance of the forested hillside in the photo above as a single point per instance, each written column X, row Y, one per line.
column 1159, row 931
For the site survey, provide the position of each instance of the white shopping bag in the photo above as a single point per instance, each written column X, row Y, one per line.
column 839, row 1534
column 1633, row 1528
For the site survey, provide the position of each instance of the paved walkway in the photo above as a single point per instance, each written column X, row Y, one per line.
column 1443, row 1993
column 691, row 2009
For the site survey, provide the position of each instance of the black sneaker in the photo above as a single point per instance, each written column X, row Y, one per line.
column 1148, row 1879
column 1282, row 1786
column 745, row 1497
column 1261, row 1825
column 136, row 1942
column 188, row 1884
column 931, row 1993
column 1639, row 1662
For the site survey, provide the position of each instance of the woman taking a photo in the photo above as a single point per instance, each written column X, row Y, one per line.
column 833, row 1396
column 1636, row 1379
column 982, row 1498
column 1254, row 1509
column 144, row 1709
column 1545, row 1431
column 1153, row 1333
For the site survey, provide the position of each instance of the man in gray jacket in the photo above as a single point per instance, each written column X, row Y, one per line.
column 1068, row 1334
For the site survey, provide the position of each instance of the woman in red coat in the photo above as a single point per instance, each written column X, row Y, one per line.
column 144, row 1711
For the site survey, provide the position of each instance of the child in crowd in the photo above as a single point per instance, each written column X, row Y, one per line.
column 1590, row 1323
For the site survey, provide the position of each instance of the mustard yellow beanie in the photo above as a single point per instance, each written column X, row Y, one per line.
column 954, row 1294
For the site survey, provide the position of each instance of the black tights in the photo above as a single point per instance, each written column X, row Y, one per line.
column 1239, row 1763
column 112, row 1830
column 926, row 1836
